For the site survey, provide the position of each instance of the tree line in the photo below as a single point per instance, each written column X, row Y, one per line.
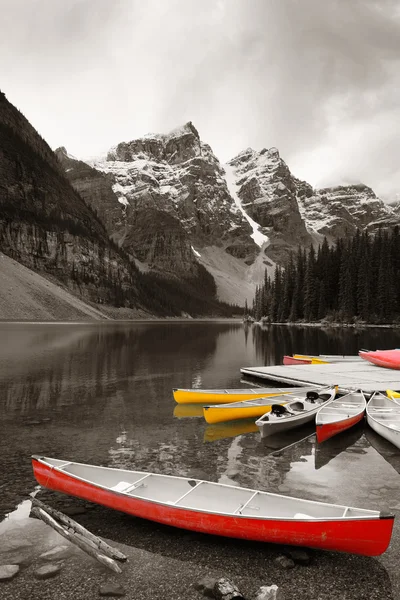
column 354, row 280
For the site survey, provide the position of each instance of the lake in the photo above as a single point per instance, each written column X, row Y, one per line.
column 102, row 394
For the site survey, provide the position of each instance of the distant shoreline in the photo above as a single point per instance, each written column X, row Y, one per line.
column 331, row 325
column 115, row 321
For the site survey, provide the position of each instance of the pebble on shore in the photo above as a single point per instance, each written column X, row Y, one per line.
column 7, row 572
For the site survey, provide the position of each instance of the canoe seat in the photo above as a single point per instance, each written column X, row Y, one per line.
column 278, row 410
column 125, row 486
column 121, row 486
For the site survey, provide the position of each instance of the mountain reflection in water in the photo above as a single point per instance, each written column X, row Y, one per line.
column 102, row 394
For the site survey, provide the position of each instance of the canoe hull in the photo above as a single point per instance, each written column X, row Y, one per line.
column 390, row 435
column 383, row 416
column 386, row 359
column 213, row 414
column 274, row 427
column 367, row 536
column 193, row 396
column 291, row 360
column 328, row 430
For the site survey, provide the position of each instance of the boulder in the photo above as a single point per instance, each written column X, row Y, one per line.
column 8, row 572
column 206, row 586
column 284, row 561
column 226, row 590
column 269, row 592
column 56, row 553
column 300, row 557
column 47, row 571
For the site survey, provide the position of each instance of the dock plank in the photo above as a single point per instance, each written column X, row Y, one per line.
column 360, row 375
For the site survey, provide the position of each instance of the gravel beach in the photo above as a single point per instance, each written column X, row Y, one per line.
column 164, row 562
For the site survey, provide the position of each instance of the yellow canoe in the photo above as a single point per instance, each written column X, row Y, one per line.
column 392, row 394
column 249, row 408
column 313, row 359
column 195, row 396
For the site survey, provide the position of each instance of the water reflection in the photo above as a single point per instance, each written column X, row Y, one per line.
column 219, row 431
column 102, row 394
column 182, row 411
column 273, row 342
column 331, row 448
column 387, row 450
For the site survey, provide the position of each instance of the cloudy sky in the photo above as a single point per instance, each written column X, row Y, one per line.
column 320, row 80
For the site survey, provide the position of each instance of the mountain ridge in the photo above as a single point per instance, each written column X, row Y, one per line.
column 251, row 208
column 46, row 226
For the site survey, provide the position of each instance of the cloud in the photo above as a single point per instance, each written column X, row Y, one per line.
column 319, row 80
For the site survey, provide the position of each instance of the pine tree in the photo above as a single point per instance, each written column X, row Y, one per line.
column 310, row 287
column 346, row 300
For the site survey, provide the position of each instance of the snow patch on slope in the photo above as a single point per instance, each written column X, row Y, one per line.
column 259, row 238
column 119, row 191
column 195, row 252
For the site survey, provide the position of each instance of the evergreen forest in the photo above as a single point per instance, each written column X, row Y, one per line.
column 355, row 280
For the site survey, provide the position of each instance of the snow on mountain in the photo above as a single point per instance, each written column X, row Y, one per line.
column 338, row 211
column 175, row 173
column 167, row 199
column 259, row 238
column 269, row 195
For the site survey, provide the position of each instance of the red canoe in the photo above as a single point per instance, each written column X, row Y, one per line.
column 389, row 359
column 221, row 509
column 291, row 360
column 340, row 414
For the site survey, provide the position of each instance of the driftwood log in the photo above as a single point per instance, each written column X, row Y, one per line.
column 72, row 525
column 78, row 540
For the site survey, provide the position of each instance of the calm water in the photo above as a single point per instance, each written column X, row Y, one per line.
column 102, row 394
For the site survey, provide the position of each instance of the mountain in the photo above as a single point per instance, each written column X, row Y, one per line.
column 47, row 226
column 162, row 198
column 269, row 194
column 26, row 295
column 175, row 174
column 339, row 211
column 169, row 202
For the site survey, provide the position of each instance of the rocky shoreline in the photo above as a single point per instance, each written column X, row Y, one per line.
column 164, row 562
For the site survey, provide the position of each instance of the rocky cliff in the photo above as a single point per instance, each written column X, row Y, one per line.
column 158, row 196
column 47, row 226
column 339, row 211
column 270, row 196
column 167, row 200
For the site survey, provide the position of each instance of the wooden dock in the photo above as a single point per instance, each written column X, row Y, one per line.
column 355, row 375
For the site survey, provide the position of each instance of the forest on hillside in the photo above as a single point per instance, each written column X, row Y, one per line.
column 354, row 280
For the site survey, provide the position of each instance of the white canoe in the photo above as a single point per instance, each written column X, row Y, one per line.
column 383, row 416
column 221, row 509
column 295, row 413
column 339, row 415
